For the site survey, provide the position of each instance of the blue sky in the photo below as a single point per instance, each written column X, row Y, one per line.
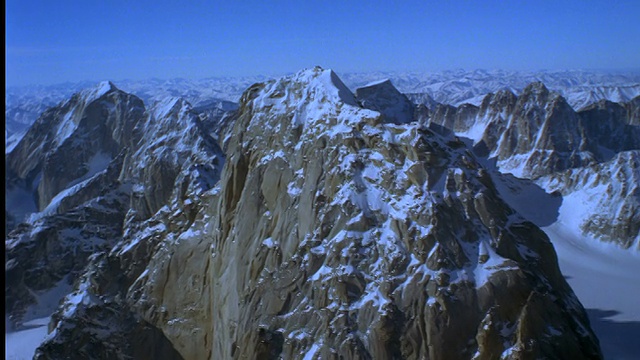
column 56, row 41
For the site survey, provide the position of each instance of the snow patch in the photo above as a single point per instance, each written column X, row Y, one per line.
column 311, row 354
column 98, row 91
column 483, row 272
column 21, row 345
column 67, row 127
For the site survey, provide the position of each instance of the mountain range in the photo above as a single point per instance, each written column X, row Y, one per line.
column 581, row 88
column 405, row 219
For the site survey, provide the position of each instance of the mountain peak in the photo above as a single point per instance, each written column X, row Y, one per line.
column 310, row 95
column 537, row 88
column 329, row 81
column 96, row 92
column 170, row 105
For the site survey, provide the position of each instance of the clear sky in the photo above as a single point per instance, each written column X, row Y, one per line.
column 56, row 41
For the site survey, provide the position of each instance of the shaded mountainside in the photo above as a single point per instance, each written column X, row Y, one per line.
column 334, row 230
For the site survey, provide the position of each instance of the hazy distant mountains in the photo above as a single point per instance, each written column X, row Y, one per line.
column 457, row 87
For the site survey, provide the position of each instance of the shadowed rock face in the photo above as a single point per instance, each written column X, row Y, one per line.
column 68, row 140
column 69, row 164
column 54, row 249
column 633, row 111
column 332, row 232
column 611, row 126
column 386, row 99
column 101, row 327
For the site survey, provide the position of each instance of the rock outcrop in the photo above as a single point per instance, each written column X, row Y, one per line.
column 533, row 134
column 612, row 127
column 633, row 111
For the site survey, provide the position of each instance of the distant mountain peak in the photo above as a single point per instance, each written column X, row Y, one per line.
column 170, row 105
column 536, row 88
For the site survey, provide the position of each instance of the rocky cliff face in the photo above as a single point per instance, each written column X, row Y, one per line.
column 334, row 231
column 384, row 98
column 613, row 127
column 538, row 133
column 75, row 140
column 633, row 111
column 68, row 166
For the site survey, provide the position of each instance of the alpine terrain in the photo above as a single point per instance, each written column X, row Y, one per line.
column 581, row 88
column 311, row 221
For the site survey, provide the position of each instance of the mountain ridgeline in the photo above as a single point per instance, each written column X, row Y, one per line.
column 308, row 222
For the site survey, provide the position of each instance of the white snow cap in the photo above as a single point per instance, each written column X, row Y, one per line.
column 311, row 95
column 98, row 91
column 328, row 82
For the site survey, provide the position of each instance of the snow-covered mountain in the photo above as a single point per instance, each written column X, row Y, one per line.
column 24, row 104
column 337, row 226
column 537, row 135
column 86, row 166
